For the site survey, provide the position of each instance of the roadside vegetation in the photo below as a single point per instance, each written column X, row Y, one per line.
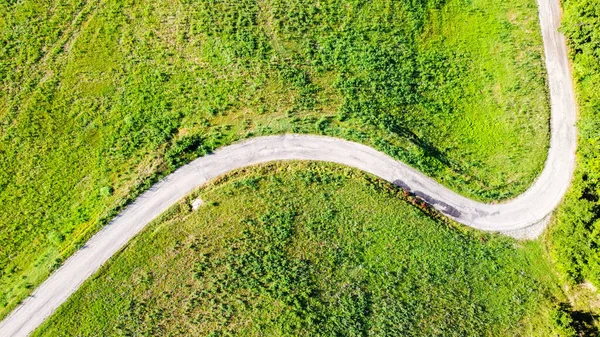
column 574, row 238
column 98, row 99
column 307, row 249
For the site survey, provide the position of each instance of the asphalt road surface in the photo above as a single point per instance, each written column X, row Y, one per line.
column 522, row 217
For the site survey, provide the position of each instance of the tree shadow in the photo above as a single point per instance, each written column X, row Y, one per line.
column 428, row 148
column 585, row 322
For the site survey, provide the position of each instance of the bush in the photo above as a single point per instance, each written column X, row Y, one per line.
column 563, row 322
column 185, row 149
column 575, row 236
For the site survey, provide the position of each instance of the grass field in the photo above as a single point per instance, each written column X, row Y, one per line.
column 301, row 249
column 99, row 98
column 574, row 237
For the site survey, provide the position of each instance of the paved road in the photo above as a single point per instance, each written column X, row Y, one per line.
column 522, row 217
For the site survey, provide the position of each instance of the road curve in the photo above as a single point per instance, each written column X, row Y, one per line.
column 521, row 217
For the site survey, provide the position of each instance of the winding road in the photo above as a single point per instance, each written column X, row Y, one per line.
column 523, row 217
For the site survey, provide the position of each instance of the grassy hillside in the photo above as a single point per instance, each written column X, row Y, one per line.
column 99, row 98
column 575, row 236
column 301, row 249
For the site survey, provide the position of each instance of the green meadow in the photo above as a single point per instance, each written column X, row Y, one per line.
column 100, row 99
column 574, row 236
column 307, row 249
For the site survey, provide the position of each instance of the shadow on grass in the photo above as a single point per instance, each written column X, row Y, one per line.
column 585, row 323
